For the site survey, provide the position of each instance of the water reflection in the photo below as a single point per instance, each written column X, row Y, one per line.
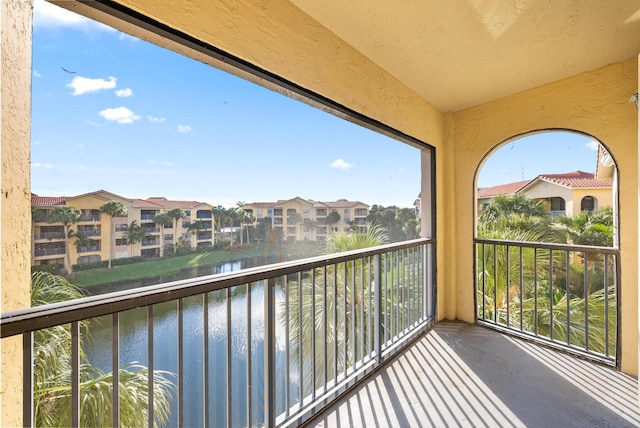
column 134, row 343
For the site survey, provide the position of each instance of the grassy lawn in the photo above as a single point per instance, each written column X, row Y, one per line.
column 155, row 268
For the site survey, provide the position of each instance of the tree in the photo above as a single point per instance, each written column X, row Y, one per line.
column 52, row 373
column 67, row 216
column 332, row 218
column 163, row 220
column 176, row 215
column 217, row 213
column 113, row 209
column 294, row 218
column 589, row 228
column 341, row 286
column 134, row 234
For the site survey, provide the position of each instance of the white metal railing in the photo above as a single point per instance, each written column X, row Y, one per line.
column 266, row 346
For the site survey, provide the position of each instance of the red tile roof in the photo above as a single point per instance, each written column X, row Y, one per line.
column 575, row 179
column 503, row 189
column 166, row 203
column 47, row 201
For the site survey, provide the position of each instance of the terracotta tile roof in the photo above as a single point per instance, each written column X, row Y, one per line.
column 166, row 203
column 343, row 203
column 503, row 189
column 47, row 201
column 261, row 204
column 575, row 179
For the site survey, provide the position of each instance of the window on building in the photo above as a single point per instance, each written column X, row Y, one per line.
column 588, row 203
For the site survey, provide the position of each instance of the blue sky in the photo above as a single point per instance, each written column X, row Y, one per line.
column 113, row 112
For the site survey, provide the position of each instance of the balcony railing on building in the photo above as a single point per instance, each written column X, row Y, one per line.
column 49, row 251
column 90, row 217
column 267, row 346
column 565, row 296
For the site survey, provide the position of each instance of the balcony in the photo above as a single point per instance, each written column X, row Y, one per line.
column 371, row 351
column 40, row 252
column 463, row 375
column 89, row 249
column 291, row 375
column 90, row 217
column 50, row 235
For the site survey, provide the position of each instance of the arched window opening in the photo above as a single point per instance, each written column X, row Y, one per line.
column 533, row 245
column 588, row 203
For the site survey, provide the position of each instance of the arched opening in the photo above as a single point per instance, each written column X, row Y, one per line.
column 588, row 203
column 546, row 242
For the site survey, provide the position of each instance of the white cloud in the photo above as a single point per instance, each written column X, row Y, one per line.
column 156, row 119
column 340, row 164
column 41, row 165
column 184, row 128
column 47, row 15
column 168, row 163
column 593, row 145
column 119, row 115
column 36, row 74
column 82, row 85
column 36, row 142
column 124, row 93
column 80, row 146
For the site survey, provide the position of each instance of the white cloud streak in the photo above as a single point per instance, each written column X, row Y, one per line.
column 36, row 74
column 156, row 119
column 120, row 115
column 341, row 164
column 47, row 15
column 41, row 165
column 124, row 93
column 83, row 85
column 184, row 129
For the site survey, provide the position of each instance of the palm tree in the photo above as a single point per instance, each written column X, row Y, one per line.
column 219, row 214
column 134, row 234
column 344, row 290
column 595, row 228
column 113, row 209
column 67, row 216
column 52, row 374
column 163, row 220
column 196, row 227
column 176, row 215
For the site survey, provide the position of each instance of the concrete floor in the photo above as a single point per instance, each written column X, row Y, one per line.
column 469, row 376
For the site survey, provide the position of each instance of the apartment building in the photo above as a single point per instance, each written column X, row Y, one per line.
column 306, row 219
column 48, row 246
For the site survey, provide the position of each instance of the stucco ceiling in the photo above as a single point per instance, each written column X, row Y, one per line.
column 430, row 45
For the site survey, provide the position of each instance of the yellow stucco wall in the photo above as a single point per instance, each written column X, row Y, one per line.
column 15, row 231
column 596, row 103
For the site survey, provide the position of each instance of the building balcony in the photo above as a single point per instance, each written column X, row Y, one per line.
column 463, row 375
column 90, row 217
column 41, row 252
column 373, row 356
column 50, row 236
column 149, row 242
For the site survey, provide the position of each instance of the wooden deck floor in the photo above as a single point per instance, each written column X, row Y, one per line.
column 469, row 376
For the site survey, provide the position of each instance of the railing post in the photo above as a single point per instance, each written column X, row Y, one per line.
column 27, row 379
column 377, row 286
column 269, row 354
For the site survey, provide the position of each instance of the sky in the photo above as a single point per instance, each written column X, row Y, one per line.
column 113, row 112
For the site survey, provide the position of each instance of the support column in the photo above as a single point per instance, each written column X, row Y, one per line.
column 15, row 202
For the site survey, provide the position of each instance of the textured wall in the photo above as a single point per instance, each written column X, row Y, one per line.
column 595, row 103
column 15, row 200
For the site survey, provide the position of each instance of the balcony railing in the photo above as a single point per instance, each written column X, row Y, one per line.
column 50, row 235
column 90, row 232
column 49, row 251
column 266, row 346
column 149, row 242
column 90, row 217
column 89, row 248
column 565, row 296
